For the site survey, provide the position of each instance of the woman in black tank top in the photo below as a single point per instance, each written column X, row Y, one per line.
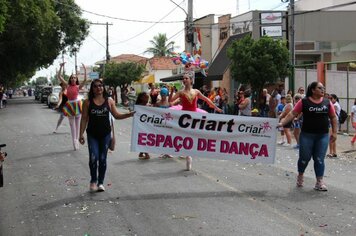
column 314, row 137
column 96, row 121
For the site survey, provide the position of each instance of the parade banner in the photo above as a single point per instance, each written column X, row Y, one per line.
column 184, row 133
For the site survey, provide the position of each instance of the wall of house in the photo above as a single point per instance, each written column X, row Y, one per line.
column 204, row 24
column 325, row 26
column 159, row 74
column 335, row 82
column 307, row 5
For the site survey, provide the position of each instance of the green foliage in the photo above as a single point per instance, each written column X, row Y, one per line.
column 258, row 62
column 160, row 46
column 3, row 14
column 35, row 33
column 41, row 81
column 122, row 74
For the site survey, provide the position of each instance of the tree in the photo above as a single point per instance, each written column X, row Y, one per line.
column 3, row 14
column 258, row 62
column 35, row 32
column 41, row 80
column 122, row 75
column 160, row 46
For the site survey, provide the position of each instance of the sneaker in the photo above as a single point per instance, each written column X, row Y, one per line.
column 281, row 142
column 101, row 188
column 93, row 187
column 286, row 145
column 296, row 146
column 189, row 163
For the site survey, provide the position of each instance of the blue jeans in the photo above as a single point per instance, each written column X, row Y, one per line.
column 98, row 150
column 316, row 146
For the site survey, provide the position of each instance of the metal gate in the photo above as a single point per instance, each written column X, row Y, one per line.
column 340, row 79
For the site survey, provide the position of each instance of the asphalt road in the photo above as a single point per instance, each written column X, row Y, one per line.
column 47, row 183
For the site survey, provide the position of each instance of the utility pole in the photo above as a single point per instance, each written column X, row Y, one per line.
column 190, row 33
column 107, row 43
column 75, row 61
column 107, row 55
column 63, row 64
column 292, row 46
column 291, row 42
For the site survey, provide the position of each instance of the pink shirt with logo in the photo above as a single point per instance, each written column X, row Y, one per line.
column 298, row 108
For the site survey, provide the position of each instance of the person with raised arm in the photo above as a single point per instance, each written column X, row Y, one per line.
column 73, row 107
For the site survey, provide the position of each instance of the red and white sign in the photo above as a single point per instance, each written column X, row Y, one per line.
column 271, row 18
column 175, row 132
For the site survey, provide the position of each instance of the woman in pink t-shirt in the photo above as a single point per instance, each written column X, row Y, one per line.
column 314, row 137
column 73, row 107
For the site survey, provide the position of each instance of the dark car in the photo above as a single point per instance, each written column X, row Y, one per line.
column 45, row 92
column 37, row 92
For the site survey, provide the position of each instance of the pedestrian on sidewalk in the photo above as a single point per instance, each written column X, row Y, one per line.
column 332, row 145
column 353, row 121
column 287, row 127
column 314, row 137
column 96, row 121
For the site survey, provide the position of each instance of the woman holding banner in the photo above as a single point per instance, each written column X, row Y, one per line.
column 314, row 137
column 188, row 98
column 96, row 121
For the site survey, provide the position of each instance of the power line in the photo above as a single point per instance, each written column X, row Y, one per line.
column 148, row 27
column 118, row 18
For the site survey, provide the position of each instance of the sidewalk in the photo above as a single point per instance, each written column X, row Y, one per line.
column 343, row 145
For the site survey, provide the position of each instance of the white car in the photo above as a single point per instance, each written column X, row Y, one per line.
column 53, row 98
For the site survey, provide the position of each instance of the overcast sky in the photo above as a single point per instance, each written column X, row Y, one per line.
column 127, row 35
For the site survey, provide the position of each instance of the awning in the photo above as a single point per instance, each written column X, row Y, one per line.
column 147, row 79
column 221, row 62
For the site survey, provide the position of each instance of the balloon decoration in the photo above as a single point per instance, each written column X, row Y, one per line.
column 189, row 61
column 352, row 65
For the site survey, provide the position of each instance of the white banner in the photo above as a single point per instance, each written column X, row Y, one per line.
column 167, row 131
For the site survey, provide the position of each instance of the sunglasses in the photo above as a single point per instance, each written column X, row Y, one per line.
column 321, row 88
column 97, row 86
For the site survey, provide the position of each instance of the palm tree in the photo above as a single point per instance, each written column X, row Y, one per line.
column 160, row 46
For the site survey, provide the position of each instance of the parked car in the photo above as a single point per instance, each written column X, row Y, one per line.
column 53, row 98
column 83, row 94
column 45, row 92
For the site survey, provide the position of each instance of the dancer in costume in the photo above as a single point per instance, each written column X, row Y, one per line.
column 62, row 99
column 188, row 98
column 73, row 107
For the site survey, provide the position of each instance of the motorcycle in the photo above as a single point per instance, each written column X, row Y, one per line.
column 2, row 158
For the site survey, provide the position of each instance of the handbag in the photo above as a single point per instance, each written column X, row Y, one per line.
column 113, row 141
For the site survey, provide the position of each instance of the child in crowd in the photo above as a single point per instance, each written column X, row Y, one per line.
column 279, row 110
column 163, row 103
column 142, row 99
